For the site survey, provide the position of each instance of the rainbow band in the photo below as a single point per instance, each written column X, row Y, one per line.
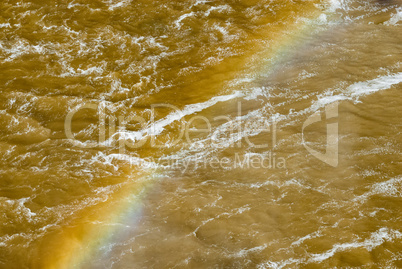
column 85, row 242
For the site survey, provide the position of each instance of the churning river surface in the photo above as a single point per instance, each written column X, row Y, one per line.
column 200, row 134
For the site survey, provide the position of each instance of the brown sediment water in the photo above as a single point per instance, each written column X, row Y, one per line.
column 199, row 134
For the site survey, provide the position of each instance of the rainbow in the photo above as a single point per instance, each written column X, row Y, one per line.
column 85, row 242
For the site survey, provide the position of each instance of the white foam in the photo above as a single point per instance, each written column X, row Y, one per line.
column 395, row 18
column 376, row 239
column 158, row 127
column 304, row 238
column 231, row 213
column 6, row 238
column 179, row 23
column 18, row 49
column 71, row 72
column 113, row 4
column 5, row 25
column 356, row 90
column 392, row 187
column 257, row 92
column 200, row 2
column 246, row 252
column 223, row 31
column 21, row 209
column 337, row 4
column 375, row 85
column 73, row 4
column 326, row 100
column 322, row 19
column 219, row 9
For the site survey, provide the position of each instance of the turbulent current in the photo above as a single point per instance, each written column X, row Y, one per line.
column 200, row 134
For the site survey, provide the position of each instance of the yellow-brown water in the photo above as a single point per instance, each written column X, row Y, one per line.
column 96, row 201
